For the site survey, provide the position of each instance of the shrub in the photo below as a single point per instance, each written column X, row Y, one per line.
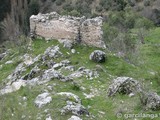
column 74, row 13
column 59, row 2
column 33, row 8
column 5, row 8
column 143, row 23
column 68, row 7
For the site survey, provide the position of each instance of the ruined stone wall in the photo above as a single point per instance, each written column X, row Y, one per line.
column 75, row 29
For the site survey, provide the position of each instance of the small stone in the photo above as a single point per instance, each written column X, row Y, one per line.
column 131, row 94
column 9, row 62
column 73, row 51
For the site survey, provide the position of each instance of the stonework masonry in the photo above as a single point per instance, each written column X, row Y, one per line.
column 76, row 29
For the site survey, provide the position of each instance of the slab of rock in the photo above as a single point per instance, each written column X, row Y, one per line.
column 74, row 118
column 74, row 108
column 54, row 74
column 9, row 62
column 98, row 56
column 43, row 99
column 70, row 95
column 89, row 74
column 11, row 87
column 124, row 85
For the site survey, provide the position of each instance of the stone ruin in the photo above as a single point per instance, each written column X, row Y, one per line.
column 75, row 29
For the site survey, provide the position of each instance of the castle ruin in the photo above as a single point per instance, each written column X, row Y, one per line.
column 76, row 29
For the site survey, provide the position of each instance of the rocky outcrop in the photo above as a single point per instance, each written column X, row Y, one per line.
column 150, row 100
column 75, row 29
column 124, row 85
column 73, row 105
column 43, row 99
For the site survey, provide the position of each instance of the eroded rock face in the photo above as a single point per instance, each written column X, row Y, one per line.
column 98, row 56
column 124, row 85
column 74, row 29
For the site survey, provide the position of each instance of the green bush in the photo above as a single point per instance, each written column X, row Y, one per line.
column 113, row 4
column 33, row 8
column 59, row 2
column 68, row 7
column 143, row 23
column 5, row 7
column 74, row 13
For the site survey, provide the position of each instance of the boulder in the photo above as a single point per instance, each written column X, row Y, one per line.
column 74, row 108
column 43, row 99
column 124, row 85
column 52, row 52
column 67, row 43
column 150, row 100
column 73, row 105
column 97, row 56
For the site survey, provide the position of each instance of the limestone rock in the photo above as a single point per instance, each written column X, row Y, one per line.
column 70, row 95
column 73, row 51
column 54, row 74
column 70, row 68
column 17, row 72
column 67, row 43
column 9, row 62
column 124, row 85
column 43, row 99
column 53, row 52
column 150, row 100
column 11, row 87
column 89, row 74
column 74, row 108
column 33, row 73
column 73, row 104
column 74, row 118
column 98, row 56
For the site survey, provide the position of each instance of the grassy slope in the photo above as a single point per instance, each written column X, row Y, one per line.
column 11, row 108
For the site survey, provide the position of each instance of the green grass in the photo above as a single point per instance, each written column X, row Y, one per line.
column 148, row 64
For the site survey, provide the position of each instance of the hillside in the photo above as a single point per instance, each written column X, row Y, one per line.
column 91, row 89
column 79, row 59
